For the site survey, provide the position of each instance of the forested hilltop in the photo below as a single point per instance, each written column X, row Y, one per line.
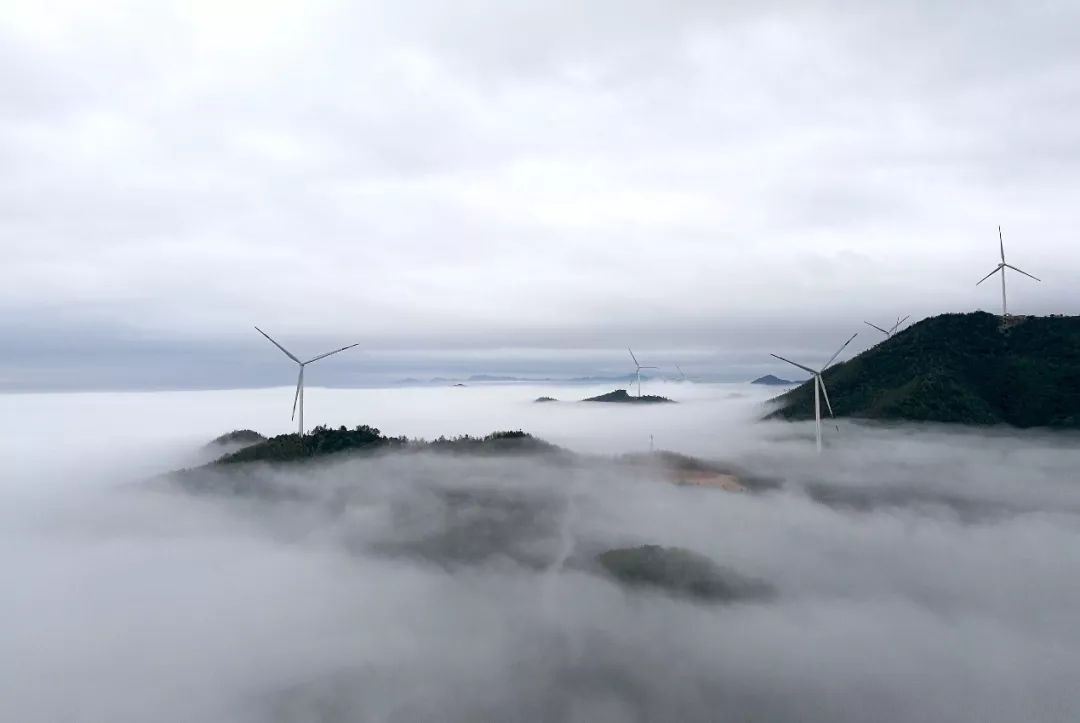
column 960, row 368
column 322, row 441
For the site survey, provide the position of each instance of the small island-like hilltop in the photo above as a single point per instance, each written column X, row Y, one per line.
column 771, row 380
column 619, row 396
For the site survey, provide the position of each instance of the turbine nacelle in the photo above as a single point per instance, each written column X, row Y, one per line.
column 891, row 330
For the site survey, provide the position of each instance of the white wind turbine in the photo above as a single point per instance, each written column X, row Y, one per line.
column 638, row 369
column 682, row 373
column 888, row 334
column 299, row 398
column 819, row 386
column 1001, row 267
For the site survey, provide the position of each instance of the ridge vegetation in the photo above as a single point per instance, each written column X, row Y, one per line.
column 322, row 441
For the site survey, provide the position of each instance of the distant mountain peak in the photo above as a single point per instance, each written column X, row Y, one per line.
column 774, row 381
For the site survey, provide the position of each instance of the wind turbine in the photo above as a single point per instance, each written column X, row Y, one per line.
column 888, row 334
column 684, row 377
column 638, row 370
column 1001, row 267
column 819, row 386
column 299, row 398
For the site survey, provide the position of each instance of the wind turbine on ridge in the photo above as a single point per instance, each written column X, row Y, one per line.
column 888, row 334
column 299, row 398
column 819, row 386
column 638, row 369
column 1001, row 267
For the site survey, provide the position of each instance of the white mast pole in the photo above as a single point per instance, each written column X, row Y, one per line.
column 300, row 431
column 817, row 410
column 1004, row 306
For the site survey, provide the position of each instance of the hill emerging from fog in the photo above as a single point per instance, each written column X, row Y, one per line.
column 237, row 437
column 620, row 396
column 451, row 519
column 322, row 441
column 959, row 368
column 771, row 380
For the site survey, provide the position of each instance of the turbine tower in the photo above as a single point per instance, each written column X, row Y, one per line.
column 892, row 330
column 1001, row 267
column 299, row 398
column 819, row 386
column 638, row 370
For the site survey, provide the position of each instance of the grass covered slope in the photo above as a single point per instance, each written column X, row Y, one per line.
column 959, row 368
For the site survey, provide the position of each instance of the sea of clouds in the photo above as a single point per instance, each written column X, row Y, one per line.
column 922, row 573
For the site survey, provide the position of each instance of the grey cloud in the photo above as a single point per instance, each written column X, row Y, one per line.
column 542, row 173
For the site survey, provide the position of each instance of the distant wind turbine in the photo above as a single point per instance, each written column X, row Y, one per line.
column 1001, row 267
column 681, row 372
column 638, row 369
column 819, row 386
column 299, row 398
column 892, row 330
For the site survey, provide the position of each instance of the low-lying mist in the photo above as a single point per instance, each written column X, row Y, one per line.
column 918, row 573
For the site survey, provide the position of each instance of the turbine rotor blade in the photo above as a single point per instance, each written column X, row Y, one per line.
column 299, row 385
column 794, row 364
column 279, row 346
column 633, row 357
column 833, row 358
column 1008, row 266
column 886, row 333
column 825, row 394
column 1002, row 242
column 989, row 275
column 648, row 367
column 335, row 351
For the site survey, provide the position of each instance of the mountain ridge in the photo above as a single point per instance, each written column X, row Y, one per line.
column 959, row 368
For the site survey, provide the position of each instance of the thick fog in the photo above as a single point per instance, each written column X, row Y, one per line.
column 919, row 573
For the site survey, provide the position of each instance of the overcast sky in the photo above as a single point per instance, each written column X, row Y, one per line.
column 478, row 182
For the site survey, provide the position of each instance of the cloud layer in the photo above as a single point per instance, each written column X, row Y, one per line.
column 922, row 574
column 678, row 175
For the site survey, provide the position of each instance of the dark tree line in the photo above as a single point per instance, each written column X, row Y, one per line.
column 322, row 441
